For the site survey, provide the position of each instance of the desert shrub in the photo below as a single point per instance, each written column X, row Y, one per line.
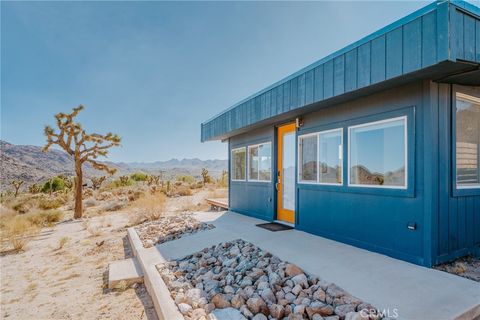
column 102, row 196
column 112, row 206
column 23, row 205
column 148, row 208
column 138, row 176
column 44, row 218
column 121, row 182
column 17, row 230
column 134, row 195
column 62, row 242
column 186, row 178
column 54, row 184
column 90, row 203
column 51, row 203
column 34, row 188
column 182, row 191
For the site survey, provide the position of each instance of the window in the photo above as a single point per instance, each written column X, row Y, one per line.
column 467, row 141
column 260, row 162
column 378, row 154
column 238, row 164
column 321, row 157
column 330, row 154
column 308, row 157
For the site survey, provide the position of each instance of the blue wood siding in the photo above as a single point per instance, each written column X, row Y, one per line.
column 458, row 228
column 409, row 45
column 253, row 198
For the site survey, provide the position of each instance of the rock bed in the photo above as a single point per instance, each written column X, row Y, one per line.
column 169, row 228
column 237, row 280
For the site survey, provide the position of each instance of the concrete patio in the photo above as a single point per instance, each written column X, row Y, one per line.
column 411, row 291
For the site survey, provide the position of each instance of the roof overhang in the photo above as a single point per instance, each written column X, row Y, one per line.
column 438, row 42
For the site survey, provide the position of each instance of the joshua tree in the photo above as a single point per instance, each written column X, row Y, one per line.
column 83, row 147
column 17, row 184
column 153, row 180
column 97, row 182
column 205, row 176
column 124, row 180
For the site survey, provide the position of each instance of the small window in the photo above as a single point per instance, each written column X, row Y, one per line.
column 378, row 154
column 320, row 157
column 308, row 157
column 238, row 164
column 467, row 141
column 260, row 162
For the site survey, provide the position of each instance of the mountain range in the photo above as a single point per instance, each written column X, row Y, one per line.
column 32, row 165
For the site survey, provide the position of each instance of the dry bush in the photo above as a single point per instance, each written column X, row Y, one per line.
column 62, row 242
column 90, row 203
column 44, row 218
column 51, row 203
column 182, row 191
column 17, row 230
column 121, row 286
column 148, row 208
column 112, row 206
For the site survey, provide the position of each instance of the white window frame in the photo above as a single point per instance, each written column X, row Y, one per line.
column 258, row 165
column 467, row 97
column 367, row 124
column 299, row 157
column 232, row 163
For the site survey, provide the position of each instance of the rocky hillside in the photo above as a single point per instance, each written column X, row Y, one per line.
column 30, row 164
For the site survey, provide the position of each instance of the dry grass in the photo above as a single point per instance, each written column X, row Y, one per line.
column 121, row 286
column 45, row 218
column 17, row 230
column 148, row 208
column 94, row 231
column 62, row 242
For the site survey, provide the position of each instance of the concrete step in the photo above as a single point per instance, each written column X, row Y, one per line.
column 127, row 270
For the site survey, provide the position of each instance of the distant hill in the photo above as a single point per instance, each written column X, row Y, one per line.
column 30, row 164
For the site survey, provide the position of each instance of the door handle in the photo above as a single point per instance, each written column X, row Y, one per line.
column 276, row 186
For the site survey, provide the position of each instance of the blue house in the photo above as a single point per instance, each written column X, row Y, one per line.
column 376, row 145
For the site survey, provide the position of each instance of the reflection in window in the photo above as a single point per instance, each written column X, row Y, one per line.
column 308, row 158
column 238, row 164
column 468, row 140
column 330, row 153
column 260, row 162
column 377, row 153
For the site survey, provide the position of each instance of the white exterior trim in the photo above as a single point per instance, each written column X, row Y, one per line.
column 231, row 163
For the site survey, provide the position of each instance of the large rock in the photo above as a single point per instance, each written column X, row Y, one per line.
column 226, row 314
column 268, row 296
column 259, row 316
column 220, row 301
column 193, row 296
column 343, row 309
column 184, row 308
column 256, row 305
column 277, row 311
column 314, row 308
column 292, row 270
column 300, row 279
column 237, row 301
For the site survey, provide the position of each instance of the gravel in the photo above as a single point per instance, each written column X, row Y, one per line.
column 169, row 227
column 238, row 280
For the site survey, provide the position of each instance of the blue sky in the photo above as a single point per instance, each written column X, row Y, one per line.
column 153, row 71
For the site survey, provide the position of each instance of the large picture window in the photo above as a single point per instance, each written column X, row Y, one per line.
column 378, row 154
column 238, row 164
column 467, row 141
column 320, row 157
column 260, row 162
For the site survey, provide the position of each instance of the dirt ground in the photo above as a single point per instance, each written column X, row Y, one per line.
column 45, row 282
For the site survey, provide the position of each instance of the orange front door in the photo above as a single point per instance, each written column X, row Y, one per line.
column 286, row 173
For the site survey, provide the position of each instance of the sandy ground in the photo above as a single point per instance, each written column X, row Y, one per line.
column 45, row 282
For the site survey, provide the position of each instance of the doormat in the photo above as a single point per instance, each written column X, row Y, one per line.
column 273, row 226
